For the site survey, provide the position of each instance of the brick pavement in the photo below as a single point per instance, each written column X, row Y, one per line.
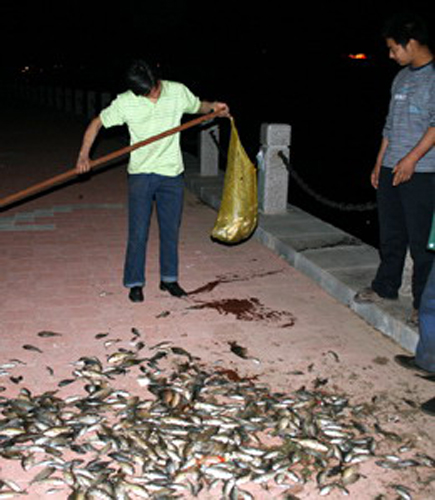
column 61, row 268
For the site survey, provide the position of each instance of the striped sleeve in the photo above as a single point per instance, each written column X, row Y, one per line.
column 113, row 114
column 192, row 103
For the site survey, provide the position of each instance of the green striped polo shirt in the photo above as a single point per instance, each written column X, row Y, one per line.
column 145, row 119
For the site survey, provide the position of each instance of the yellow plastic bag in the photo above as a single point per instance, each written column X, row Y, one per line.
column 238, row 213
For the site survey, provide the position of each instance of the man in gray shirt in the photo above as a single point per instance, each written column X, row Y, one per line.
column 405, row 166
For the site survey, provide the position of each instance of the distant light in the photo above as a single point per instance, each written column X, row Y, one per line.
column 359, row 56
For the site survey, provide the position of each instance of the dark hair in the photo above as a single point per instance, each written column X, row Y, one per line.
column 141, row 77
column 406, row 26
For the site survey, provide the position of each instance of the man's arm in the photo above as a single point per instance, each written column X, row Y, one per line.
column 404, row 170
column 208, row 107
column 83, row 161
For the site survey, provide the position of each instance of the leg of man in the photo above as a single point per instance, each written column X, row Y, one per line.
column 169, row 201
column 417, row 197
column 425, row 353
column 141, row 189
column 393, row 237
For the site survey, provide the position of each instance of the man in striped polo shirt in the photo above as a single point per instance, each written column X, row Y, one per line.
column 155, row 172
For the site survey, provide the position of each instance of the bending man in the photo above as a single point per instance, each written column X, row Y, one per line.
column 155, row 172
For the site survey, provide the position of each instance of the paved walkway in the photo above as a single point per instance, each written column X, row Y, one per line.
column 60, row 272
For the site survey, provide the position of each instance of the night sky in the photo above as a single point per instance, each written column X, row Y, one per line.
column 77, row 31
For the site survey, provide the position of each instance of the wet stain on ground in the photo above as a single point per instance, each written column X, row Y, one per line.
column 209, row 287
column 247, row 310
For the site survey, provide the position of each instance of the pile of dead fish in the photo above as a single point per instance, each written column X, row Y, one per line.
column 187, row 430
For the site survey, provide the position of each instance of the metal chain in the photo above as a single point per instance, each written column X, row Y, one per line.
column 345, row 207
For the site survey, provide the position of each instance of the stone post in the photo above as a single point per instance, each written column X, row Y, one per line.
column 208, row 150
column 273, row 175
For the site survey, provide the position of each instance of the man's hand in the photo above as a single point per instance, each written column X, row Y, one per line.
column 209, row 107
column 83, row 165
column 224, row 110
column 374, row 177
column 403, row 171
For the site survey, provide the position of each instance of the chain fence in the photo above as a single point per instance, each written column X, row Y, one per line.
column 345, row 207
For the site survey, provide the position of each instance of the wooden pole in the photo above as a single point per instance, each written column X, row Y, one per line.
column 72, row 173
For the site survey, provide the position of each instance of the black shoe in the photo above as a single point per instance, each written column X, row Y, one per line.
column 409, row 363
column 173, row 288
column 429, row 407
column 136, row 294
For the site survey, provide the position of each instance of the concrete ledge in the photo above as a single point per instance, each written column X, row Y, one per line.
column 338, row 262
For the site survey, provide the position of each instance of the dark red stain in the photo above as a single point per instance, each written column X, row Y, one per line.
column 247, row 310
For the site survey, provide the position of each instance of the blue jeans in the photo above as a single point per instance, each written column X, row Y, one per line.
column 425, row 353
column 167, row 193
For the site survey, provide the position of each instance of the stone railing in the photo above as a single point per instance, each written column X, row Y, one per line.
column 80, row 102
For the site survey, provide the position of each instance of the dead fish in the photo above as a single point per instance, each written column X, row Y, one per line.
column 389, row 435
column 30, row 347
column 101, row 335
column 46, row 334
column 402, row 491
column 135, row 332
column 312, row 444
column 140, row 345
column 193, row 428
column 66, row 382
column 426, row 459
column 110, row 342
column 163, row 314
column 5, row 494
column 289, row 496
column 181, row 352
column 16, row 380
column 8, row 366
column 12, row 485
column 160, row 345
column 319, row 382
column 350, row 475
column 334, row 355
column 43, row 474
column 238, row 350
column 77, row 495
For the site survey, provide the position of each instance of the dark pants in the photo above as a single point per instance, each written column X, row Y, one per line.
column 405, row 217
column 425, row 354
column 167, row 192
